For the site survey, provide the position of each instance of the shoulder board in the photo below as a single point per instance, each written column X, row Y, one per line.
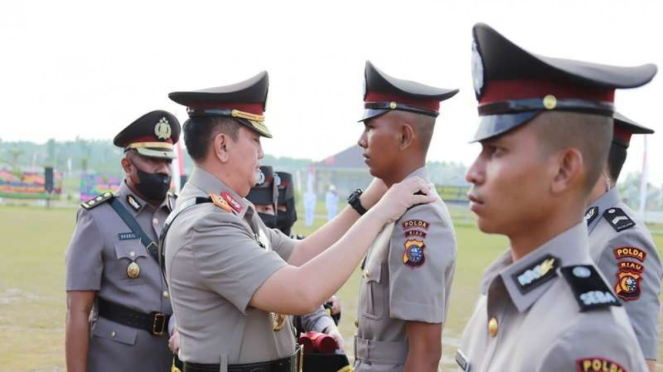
column 589, row 289
column 618, row 219
column 221, row 203
column 101, row 199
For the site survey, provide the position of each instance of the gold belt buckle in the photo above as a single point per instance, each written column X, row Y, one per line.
column 157, row 317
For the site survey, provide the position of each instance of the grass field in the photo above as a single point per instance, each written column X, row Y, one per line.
column 32, row 297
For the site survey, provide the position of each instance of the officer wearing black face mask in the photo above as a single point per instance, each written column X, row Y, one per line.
column 264, row 196
column 112, row 265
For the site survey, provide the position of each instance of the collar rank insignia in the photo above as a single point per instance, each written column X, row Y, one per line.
column 536, row 274
column 413, row 256
column 162, row 129
column 591, row 214
column 133, row 203
column 221, row 203
column 618, row 219
column 589, row 289
column 101, row 199
column 234, row 204
column 597, row 364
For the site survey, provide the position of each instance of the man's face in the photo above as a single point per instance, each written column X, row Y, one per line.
column 511, row 183
column 245, row 158
column 148, row 165
column 380, row 141
column 266, row 209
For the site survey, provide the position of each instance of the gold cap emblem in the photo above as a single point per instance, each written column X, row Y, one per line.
column 133, row 270
column 162, row 129
column 549, row 102
column 393, row 105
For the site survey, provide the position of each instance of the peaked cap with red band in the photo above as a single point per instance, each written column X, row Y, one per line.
column 244, row 101
column 513, row 85
column 384, row 93
column 151, row 135
column 624, row 128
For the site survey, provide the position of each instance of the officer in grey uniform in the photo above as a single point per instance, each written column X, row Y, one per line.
column 623, row 248
column 545, row 131
column 231, row 278
column 408, row 272
column 113, row 276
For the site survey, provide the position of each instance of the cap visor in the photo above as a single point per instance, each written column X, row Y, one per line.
column 256, row 126
column 495, row 125
column 372, row 113
column 150, row 153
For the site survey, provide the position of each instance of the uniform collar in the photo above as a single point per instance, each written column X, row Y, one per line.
column 134, row 203
column 421, row 172
column 567, row 248
column 211, row 185
column 600, row 205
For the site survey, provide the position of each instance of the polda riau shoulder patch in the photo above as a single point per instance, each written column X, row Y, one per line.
column 537, row 273
column 598, row 364
column 589, row 289
column 414, row 256
column 618, row 219
column 101, row 199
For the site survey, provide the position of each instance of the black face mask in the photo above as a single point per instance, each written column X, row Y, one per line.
column 153, row 186
column 268, row 219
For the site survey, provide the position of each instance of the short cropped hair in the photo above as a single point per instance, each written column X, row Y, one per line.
column 616, row 159
column 422, row 125
column 199, row 131
column 590, row 134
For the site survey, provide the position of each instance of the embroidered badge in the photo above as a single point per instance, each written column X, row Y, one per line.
column 417, row 233
column 589, row 288
column 234, row 204
column 220, row 203
column 162, row 129
column 598, row 364
column 628, row 281
column 413, row 255
column 591, row 214
column 630, row 252
column 97, row 201
column 126, row 236
column 411, row 224
column 538, row 273
column 618, row 219
column 135, row 205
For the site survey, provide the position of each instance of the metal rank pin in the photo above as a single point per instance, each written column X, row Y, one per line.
column 133, row 270
column 277, row 321
column 493, row 327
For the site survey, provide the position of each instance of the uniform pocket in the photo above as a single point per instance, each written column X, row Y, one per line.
column 105, row 329
column 131, row 259
column 130, row 250
column 375, row 297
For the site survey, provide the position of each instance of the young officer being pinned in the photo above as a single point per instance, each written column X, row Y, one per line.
column 231, row 278
column 545, row 132
column 118, row 306
column 407, row 275
column 622, row 247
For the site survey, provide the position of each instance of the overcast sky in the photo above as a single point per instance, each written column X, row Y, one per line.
column 89, row 68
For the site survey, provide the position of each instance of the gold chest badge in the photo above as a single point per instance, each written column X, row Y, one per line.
column 278, row 320
column 133, row 270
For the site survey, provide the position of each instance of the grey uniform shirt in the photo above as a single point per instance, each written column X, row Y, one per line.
column 625, row 253
column 528, row 318
column 97, row 258
column 216, row 259
column 407, row 277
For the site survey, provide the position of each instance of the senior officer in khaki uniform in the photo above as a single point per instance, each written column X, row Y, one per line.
column 229, row 280
column 407, row 276
column 113, row 279
column 545, row 131
column 623, row 248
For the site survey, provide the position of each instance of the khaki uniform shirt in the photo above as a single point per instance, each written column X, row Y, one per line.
column 529, row 317
column 99, row 253
column 407, row 277
column 216, row 259
column 625, row 253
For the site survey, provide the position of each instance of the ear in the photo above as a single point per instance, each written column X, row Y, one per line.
column 406, row 135
column 221, row 145
column 126, row 165
column 570, row 168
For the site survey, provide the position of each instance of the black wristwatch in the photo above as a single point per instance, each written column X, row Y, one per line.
column 355, row 202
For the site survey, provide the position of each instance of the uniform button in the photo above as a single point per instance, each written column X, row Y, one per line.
column 492, row 327
column 165, row 294
column 155, row 222
column 366, row 272
column 132, row 254
column 113, row 334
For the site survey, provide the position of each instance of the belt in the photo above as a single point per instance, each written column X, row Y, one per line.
column 292, row 363
column 387, row 352
column 155, row 323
